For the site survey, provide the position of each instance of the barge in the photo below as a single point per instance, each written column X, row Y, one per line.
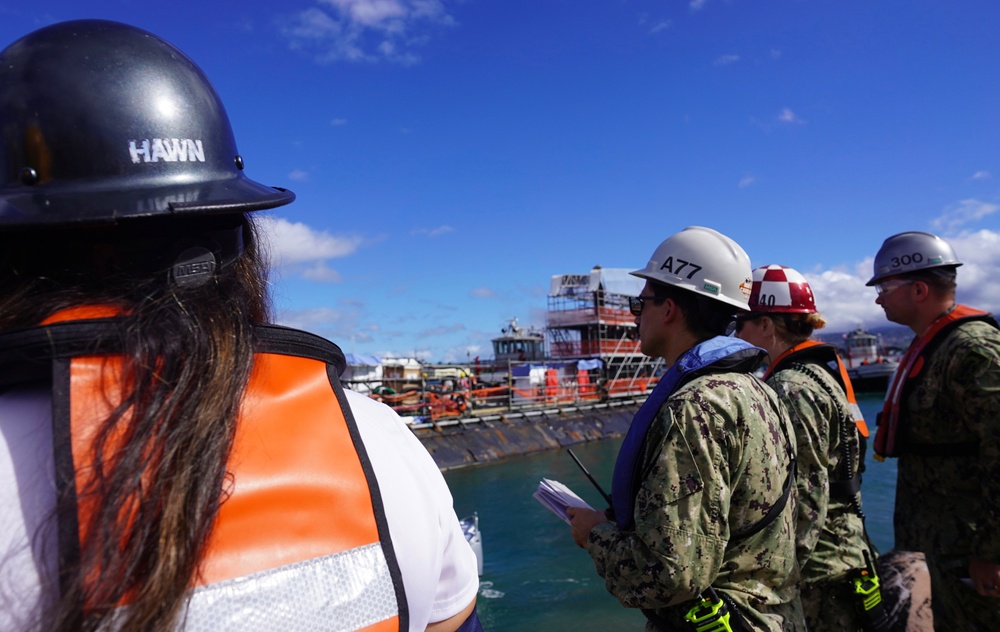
column 581, row 378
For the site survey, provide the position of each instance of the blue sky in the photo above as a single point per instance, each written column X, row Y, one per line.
column 449, row 157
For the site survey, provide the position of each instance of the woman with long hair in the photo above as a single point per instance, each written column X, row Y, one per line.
column 839, row 564
column 168, row 460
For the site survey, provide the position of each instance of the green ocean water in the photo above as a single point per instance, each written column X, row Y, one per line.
column 536, row 578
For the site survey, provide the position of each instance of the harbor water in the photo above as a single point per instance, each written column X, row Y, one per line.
column 536, row 578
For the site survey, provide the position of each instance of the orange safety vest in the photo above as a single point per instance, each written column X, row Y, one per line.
column 848, row 484
column 302, row 539
column 908, row 373
column 814, row 348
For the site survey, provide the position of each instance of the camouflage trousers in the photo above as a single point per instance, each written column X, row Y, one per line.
column 957, row 606
column 829, row 607
column 906, row 595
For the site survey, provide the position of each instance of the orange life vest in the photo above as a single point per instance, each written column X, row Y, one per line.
column 909, row 372
column 301, row 535
column 847, row 483
column 826, row 353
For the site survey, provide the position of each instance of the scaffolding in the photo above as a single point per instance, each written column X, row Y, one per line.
column 589, row 319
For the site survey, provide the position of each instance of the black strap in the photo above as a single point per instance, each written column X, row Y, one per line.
column 848, row 490
column 844, row 488
column 27, row 354
column 287, row 341
column 774, row 512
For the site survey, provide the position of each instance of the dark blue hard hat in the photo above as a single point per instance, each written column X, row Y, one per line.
column 101, row 121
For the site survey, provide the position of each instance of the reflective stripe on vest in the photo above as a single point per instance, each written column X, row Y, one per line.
column 301, row 540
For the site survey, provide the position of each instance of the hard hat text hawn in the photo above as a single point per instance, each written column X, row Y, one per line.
column 167, row 150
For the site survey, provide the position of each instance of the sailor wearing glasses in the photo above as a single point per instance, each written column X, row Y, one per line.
column 941, row 419
column 809, row 377
column 702, row 528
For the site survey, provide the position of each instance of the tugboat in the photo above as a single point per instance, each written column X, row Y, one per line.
column 868, row 368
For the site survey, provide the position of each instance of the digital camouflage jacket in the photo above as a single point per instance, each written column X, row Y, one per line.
column 830, row 539
column 948, row 505
column 714, row 462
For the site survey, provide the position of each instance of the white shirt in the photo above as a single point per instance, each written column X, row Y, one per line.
column 437, row 564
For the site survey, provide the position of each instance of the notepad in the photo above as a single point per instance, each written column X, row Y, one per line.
column 557, row 497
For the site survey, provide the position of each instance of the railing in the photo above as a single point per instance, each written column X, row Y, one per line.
column 606, row 346
column 609, row 315
column 429, row 403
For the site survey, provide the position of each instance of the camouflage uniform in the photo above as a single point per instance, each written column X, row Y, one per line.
column 949, row 506
column 714, row 461
column 830, row 538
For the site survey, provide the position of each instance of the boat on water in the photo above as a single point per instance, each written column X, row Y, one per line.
column 586, row 355
column 470, row 529
column 869, row 368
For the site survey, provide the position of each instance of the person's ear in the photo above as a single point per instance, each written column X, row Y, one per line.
column 670, row 310
column 766, row 325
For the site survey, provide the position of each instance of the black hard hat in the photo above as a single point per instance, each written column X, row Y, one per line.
column 101, row 121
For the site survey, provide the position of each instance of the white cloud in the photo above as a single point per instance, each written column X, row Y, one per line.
column 845, row 301
column 442, row 330
column 961, row 213
column 337, row 122
column 979, row 276
column 365, row 30
column 344, row 326
column 310, row 319
column 434, row 232
column 662, row 25
column 383, row 13
column 787, row 116
column 746, row 181
column 298, row 175
column 725, row 60
column 483, row 292
column 696, row 5
column 293, row 243
column 319, row 272
column 981, row 175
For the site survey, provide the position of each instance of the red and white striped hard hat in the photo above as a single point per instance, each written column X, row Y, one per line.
column 781, row 289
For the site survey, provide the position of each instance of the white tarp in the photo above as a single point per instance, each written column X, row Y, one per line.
column 613, row 280
column 354, row 359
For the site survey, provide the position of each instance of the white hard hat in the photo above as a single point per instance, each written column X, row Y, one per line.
column 705, row 262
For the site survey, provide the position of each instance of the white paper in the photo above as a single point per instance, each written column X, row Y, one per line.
column 557, row 497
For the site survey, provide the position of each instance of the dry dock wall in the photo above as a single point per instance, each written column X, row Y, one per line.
column 474, row 440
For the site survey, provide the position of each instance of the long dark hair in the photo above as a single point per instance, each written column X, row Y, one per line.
column 159, row 468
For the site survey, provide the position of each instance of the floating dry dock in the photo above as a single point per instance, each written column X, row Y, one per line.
column 485, row 437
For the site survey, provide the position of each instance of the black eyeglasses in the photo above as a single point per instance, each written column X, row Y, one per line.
column 746, row 318
column 635, row 303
